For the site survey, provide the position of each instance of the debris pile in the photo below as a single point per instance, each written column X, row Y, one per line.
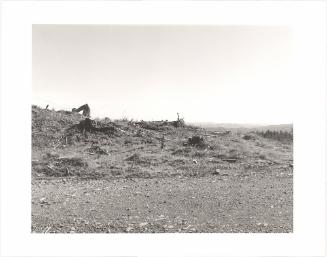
column 95, row 149
column 53, row 165
column 223, row 133
column 161, row 125
column 48, row 126
column 248, row 137
column 156, row 125
column 88, row 125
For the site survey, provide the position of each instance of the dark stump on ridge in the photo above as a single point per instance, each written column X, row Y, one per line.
column 86, row 125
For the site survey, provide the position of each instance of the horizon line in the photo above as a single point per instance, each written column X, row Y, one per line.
column 188, row 122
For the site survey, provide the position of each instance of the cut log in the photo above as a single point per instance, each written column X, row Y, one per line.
column 229, row 160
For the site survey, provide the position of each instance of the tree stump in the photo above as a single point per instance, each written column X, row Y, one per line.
column 86, row 125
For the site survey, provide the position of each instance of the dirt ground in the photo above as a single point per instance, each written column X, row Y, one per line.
column 122, row 178
column 205, row 204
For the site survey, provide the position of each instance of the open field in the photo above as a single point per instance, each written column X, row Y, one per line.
column 125, row 176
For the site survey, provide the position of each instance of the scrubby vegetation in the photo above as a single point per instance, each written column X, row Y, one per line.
column 114, row 176
column 277, row 135
column 162, row 147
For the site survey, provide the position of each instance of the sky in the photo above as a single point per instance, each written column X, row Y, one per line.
column 223, row 74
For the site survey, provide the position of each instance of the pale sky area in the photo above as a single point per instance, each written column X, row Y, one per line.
column 224, row 74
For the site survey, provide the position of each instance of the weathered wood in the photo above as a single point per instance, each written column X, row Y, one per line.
column 229, row 160
column 85, row 108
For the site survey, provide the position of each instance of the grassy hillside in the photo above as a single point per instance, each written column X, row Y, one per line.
column 123, row 148
column 154, row 177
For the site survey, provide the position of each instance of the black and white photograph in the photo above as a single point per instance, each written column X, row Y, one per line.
column 161, row 129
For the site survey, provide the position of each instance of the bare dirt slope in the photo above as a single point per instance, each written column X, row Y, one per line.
column 125, row 176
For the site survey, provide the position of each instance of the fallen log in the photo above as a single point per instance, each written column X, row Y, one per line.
column 229, row 160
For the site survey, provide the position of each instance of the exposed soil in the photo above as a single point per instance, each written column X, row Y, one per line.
column 156, row 177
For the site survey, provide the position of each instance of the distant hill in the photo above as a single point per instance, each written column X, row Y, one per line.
column 244, row 127
column 280, row 127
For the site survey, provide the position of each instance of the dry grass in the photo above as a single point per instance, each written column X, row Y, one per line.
column 109, row 152
column 117, row 177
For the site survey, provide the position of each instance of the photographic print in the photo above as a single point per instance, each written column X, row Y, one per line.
column 161, row 129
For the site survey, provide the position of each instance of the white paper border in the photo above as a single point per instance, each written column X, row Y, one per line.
column 307, row 21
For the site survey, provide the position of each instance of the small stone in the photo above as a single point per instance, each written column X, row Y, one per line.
column 43, row 201
column 128, row 229
column 217, row 171
column 195, row 161
column 142, row 224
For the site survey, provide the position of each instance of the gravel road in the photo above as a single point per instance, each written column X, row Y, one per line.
column 212, row 204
